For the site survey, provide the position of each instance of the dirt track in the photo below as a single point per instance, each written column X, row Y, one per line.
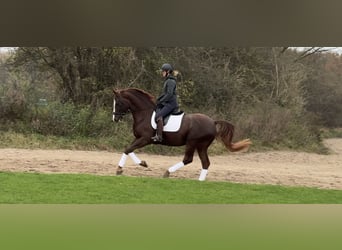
column 279, row 167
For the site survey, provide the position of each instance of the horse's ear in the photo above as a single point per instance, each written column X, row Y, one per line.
column 116, row 92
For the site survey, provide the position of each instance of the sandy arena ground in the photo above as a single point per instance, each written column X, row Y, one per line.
column 277, row 167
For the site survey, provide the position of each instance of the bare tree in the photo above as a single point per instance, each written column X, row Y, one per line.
column 310, row 51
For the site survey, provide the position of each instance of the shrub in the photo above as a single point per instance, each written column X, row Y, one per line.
column 277, row 127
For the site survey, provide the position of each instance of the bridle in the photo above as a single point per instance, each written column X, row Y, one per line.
column 121, row 113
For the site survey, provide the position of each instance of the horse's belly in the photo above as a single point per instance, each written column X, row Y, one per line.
column 173, row 139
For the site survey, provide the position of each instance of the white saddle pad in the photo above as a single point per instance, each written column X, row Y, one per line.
column 173, row 125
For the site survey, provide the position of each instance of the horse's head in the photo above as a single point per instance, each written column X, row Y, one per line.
column 131, row 100
column 120, row 106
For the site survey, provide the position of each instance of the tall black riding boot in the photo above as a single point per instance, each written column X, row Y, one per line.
column 159, row 132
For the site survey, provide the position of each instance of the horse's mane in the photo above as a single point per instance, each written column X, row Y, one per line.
column 139, row 92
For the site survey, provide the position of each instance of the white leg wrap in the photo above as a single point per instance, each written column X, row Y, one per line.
column 203, row 174
column 175, row 167
column 123, row 160
column 134, row 158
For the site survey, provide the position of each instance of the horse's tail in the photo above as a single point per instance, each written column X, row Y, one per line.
column 225, row 132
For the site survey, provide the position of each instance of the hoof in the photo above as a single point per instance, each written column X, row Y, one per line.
column 144, row 164
column 166, row 174
column 119, row 171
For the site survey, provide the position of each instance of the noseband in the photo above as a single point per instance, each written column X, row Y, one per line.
column 121, row 113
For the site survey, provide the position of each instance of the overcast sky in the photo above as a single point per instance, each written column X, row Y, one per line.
column 5, row 49
column 337, row 50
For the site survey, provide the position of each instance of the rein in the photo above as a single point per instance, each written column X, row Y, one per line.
column 137, row 109
column 121, row 113
column 128, row 111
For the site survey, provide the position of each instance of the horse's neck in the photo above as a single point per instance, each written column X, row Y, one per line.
column 141, row 106
column 141, row 113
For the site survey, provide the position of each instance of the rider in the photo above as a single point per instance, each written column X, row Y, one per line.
column 167, row 101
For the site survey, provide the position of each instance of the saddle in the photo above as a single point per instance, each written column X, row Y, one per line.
column 172, row 122
column 174, row 112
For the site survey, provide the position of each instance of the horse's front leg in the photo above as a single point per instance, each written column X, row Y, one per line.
column 137, row 143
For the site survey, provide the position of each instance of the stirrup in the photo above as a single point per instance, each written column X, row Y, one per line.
column 157, row 138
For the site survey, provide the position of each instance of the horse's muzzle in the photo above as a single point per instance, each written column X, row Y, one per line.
column 117, row 117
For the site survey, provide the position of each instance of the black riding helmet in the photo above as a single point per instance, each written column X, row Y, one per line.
column 167, row 67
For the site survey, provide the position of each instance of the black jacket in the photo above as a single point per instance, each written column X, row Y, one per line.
column 169, row 95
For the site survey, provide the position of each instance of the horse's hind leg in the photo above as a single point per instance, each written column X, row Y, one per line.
column 188, row 157
column 203, row 155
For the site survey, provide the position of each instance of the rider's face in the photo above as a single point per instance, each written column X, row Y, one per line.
column 164, row 73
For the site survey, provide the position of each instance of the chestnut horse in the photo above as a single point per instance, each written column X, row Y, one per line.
column 196, row 132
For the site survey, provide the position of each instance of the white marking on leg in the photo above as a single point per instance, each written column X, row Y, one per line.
column 203, row 174
column 123, row 160
column 113, row 109
column 175, row 167
column 134, row 158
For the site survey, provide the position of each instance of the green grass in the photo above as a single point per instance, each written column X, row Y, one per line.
column 34, row 140
column 24, row 188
